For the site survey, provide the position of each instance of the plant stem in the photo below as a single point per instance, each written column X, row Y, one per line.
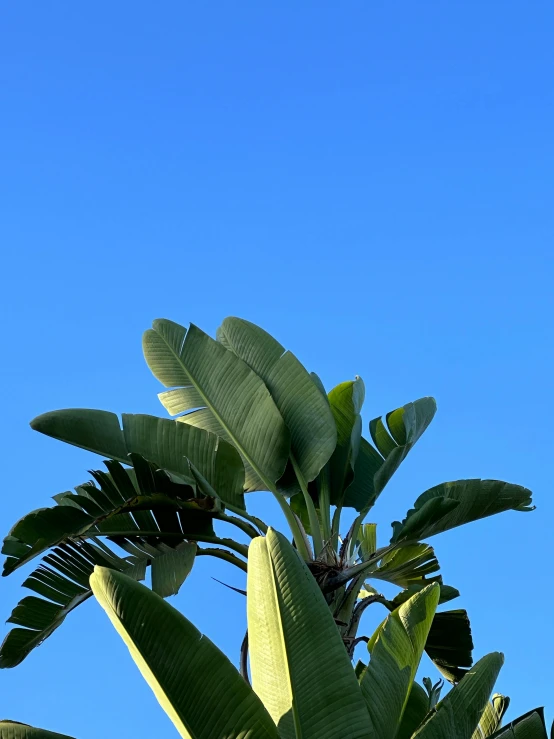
column 335, row 528
column 242, row 525
column 325, row 503
column 312, row 514
column 240, row 548
column 293, row 524
column 223, row 554
column 253, row 519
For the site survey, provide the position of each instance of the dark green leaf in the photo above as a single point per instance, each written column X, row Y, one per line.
column 164, row 442
column 453, row 504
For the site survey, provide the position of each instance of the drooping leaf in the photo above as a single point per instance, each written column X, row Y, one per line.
column 164, row 442
column 346, row 402
column 220, row 393
column 305, row 411
column 395, row 657
column 453, row 504
column 300, row 668
column 458, row 714
column 171, row 568
column 195, row 683
column 141, row 509
column 450, row 644
column 15, row 730
column 62, row 582
column 393, row 438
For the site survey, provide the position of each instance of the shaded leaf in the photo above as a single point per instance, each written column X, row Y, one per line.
column 393, row 438
column 458, row 714
column 529, row 726
column 346, row 402
column 299, row 400
column 162, row 441
column 15, row 730
column 453, row 504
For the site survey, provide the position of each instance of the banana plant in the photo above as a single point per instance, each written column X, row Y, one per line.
column 301, row 683
column 247, row 416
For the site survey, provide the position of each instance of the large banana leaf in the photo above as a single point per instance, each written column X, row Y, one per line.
column 529, row 726
column 164, row 442
column 453, row 504
column 304, row 409
column 417, row 707
column 142, row 510
column 395, row 657
column 393, row 440
column 195, row 683
column 222, row 394
column 15, row 730
column 300, row 668
column 346, row 402
column 458, row 714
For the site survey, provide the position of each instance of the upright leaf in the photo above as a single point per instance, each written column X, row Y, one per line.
column 346, row 402
column 458, row 714
column 393, row 438
column 196, row 685
column 395, row 657
column 220, row 393
column 456, row 503
column 298, row 398
column 300, row 668
column 492, row 716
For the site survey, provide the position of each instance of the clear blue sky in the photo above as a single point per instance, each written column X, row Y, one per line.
column 372, row 182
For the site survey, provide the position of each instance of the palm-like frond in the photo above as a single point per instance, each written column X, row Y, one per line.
column 153, row 517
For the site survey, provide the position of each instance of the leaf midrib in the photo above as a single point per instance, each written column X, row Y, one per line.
column 197, row 386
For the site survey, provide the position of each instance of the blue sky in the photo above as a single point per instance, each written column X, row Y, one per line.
column 371, row 182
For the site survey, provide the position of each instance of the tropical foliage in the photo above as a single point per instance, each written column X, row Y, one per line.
column 248, row 417
column 303, row 683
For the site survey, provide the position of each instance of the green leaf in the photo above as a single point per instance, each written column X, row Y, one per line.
column 395, row 657
column 62, row 582
column 394, row 438
column 492, row 716
column 406, row 565
column 305, row 411
column 222, row 394
column 15, row 730
column 458, row 714
column 447, row 593
column 170, row 569
column 196, row 685
column 453, row 504
column 141, row 509
column 529, row 726
column 450, row 644
column 300, row 668
column 164, row 442
column 346, row 402
column 416, row 709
